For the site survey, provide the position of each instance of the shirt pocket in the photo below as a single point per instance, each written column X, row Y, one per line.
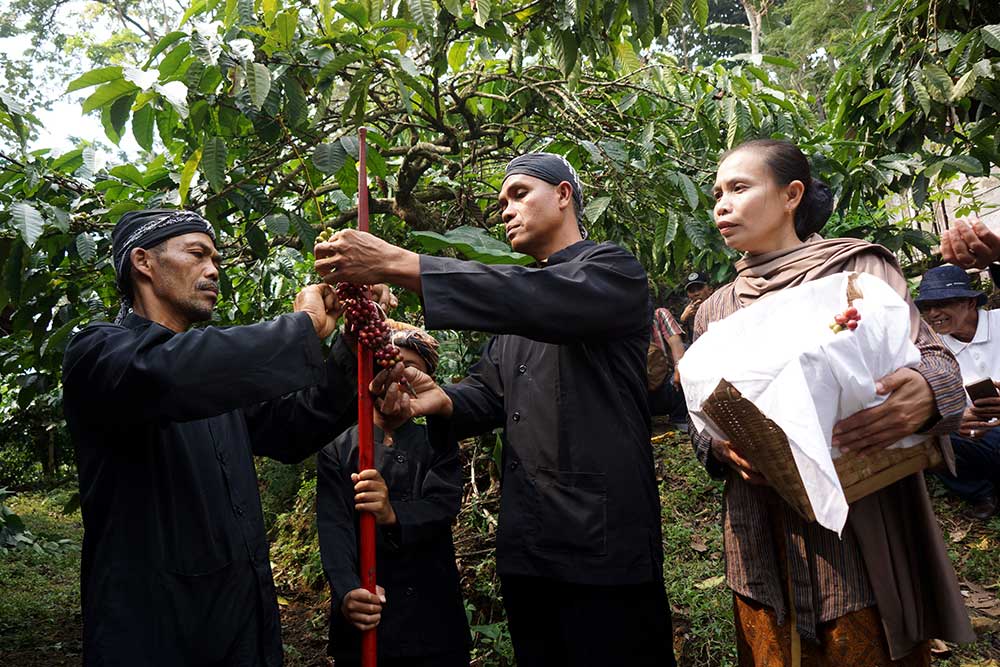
column 571, row 512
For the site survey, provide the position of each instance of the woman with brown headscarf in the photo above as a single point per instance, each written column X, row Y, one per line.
column 802, row 595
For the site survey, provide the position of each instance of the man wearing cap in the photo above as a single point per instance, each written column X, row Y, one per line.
column 950, row 305
column 579, row 549
column 165, row 422
column 697, row 289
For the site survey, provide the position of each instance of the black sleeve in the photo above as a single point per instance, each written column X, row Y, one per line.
column 994, row 269
column 431, row 515
column 602, row 296
column 294, row 426
column 152, row 373
column 338, row 541
column 477, row 400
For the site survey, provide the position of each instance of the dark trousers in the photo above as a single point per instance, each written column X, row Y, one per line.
column 668, row 400
column 977, row 464
column 554, row 624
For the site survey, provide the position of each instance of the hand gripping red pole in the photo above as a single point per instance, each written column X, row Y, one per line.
column 366, row 454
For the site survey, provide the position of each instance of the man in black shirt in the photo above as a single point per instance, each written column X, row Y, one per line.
column 578, row 544
column 165, row 422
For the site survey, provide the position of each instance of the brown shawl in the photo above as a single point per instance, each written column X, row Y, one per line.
column 913, row 579
column 760, row 275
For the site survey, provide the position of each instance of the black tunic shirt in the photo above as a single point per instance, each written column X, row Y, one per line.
column 175, row 560
column 566, row 380
column 423, row 614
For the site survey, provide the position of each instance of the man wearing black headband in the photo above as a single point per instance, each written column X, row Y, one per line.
column 165, row 422
column 578, row 543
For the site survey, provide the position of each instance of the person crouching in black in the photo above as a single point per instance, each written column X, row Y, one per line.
column 415, row 492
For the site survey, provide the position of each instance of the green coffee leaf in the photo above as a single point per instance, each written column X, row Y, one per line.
column 27, row 221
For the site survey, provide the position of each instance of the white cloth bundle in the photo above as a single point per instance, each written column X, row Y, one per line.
column 781, row 354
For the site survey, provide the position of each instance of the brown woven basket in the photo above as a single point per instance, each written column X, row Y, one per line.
column 765, row 446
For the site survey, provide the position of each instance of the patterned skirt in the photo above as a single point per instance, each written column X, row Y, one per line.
column 856, row 640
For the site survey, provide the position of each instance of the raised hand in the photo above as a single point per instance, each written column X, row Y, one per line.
column 321, row 304
column 690, row 310
column 970, row 244
column 361, row 258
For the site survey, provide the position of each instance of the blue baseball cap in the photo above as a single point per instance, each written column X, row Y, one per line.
column 947, row 282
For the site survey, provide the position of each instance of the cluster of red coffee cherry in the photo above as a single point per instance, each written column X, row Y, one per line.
column 846, row 321
column 364, row 321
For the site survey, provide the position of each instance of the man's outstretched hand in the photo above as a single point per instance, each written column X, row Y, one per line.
column 321, row 304
column 357, row 257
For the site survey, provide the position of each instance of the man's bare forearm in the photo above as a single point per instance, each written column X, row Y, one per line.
column 403, row 270
column 676, row 346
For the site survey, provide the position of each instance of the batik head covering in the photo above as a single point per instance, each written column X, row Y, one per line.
column 553, row 169
column 145, row 229
column 416, row 339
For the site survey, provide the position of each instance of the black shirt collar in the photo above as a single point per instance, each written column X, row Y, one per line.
column 133, row 321
column 568, row 253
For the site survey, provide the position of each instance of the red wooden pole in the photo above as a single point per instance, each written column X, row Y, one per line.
column 366, row 453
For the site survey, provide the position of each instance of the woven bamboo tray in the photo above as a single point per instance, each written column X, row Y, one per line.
column 765, row 446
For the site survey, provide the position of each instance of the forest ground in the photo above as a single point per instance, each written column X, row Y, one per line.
column 39, row 592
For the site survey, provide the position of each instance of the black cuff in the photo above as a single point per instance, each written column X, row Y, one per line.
column 994, row 269
column 313, row 345
column 341, row 583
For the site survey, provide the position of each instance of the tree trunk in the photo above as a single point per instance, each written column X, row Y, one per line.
column 753, row 18
column 49, row 464
column 684, row 47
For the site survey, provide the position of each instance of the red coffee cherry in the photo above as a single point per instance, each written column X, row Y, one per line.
column 366, row 322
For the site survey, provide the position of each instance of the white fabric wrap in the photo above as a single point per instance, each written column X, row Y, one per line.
column 781, row 354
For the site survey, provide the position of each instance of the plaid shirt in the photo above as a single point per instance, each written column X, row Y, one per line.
column 664, row 326
column 827, row 574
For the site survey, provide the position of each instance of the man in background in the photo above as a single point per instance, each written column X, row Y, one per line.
column 697, row 289
column 666, row 348
column 950, row 305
